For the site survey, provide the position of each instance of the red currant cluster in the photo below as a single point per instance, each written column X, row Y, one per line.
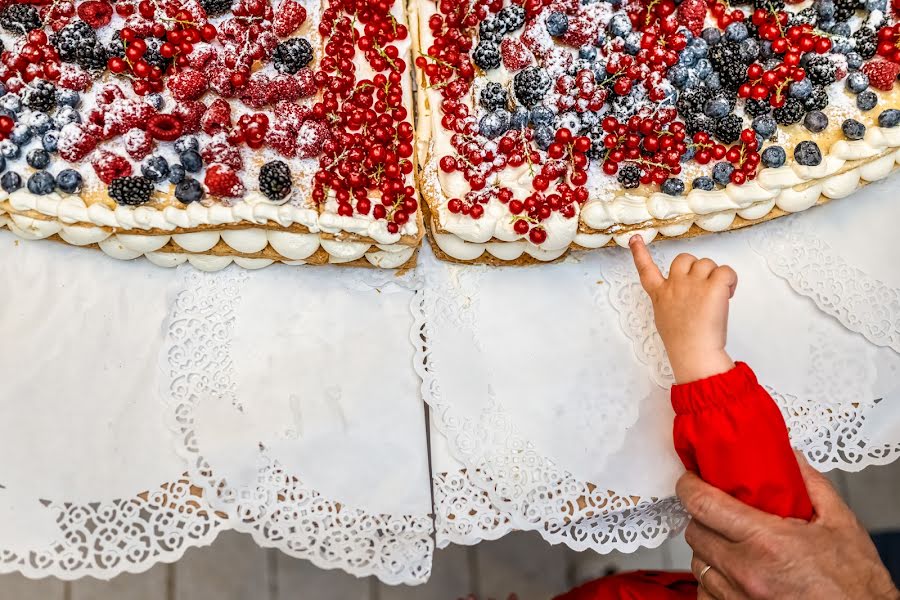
column 473, row 202
column 652, row 141
column 744, row 155
column 568, row 153
column 770, row 84
column 580, row 93
column 889, row 43
column 36, row 59
column 723, row 16
column 371, row 141
column 251, row 129
column 538, row 207
column 446, row 62
column 6, row 126
column 643, row 14
column 661, row 43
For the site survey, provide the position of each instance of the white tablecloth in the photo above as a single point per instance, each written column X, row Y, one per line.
column 145, row 410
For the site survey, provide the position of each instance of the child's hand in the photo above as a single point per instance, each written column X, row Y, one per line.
column 691, row 311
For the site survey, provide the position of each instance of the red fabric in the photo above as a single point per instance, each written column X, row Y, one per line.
column 730, row 432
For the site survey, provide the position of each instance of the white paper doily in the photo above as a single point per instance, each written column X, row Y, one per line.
column 252, row 447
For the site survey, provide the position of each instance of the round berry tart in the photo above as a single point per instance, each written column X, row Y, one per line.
column 214, row 131
column 548, row 125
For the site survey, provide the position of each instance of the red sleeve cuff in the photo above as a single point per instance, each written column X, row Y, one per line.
column 713, row 392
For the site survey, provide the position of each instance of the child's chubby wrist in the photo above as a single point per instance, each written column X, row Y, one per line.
column 693, row 364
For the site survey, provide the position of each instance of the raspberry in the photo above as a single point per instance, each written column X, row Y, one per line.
column 75, row 142
column 109, row 166
column 285, row 87
column 142, row 27
column 138, row 143
column 109, row 93
column 515, row 55
column 258, row 92
column 692, row 13
column 882, row 74
column 202, row 59
column 310, row 138
column 291, row 116
column 217, row 118
column 190, row 113
column 283, row 140
column 582, row 30
column 220, row 81
column 123, row 115
column 193, row 8
column 166, row 128
column 73, row 77
column 218, row 150
column 95, row 13
column 289, row 16
column 306, row 81
column 222, row 181
column 188, row 84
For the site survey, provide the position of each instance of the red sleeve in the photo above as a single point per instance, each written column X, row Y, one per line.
column 731, row 433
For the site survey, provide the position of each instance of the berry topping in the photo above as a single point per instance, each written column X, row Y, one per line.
column 881, row 73
column 164, row 127
column 692, row 13
column 673, row 186
column 773, row 156
column 131, row 191
column 292, row 55
column 215, row 8
column 866, row 100
column 188, row 84
column 889, row 118
column 275, row 180
column 815, row 121
column 808, row 154
column 221, row 180
column 69, row 181
column 703, row 183
column 629, row 176
column 557, row 24
column 20, row 18
column 41, row 183
column 853, row 129
column 289, row 16
column 10, row 182
column 486, row 55
column 530, row 85
column 188, row 190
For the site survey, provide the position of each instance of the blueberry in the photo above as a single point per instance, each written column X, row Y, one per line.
column 3, row 89
column 800, row 89
column 722, row 173
column 716, row 107
column 765, row 50
column 736, row 32
column 155, row 100
column 41, row 183
column 840, row 30
column 50, row 141
column 678, row 75
column 541, row 115
column 713, row 82
column 866, row 100
column 68, row 97
column 191, row 161
column 854, row 61
column 38, row 158
column 704, row 68
column 873, row 5
column 704, row 183
column 620, row 25
column 826, row 25
column 11, row 102
column 825, row 9
column 889, row 118
column 773, row 156
column 8, row 149
column 189, row 190
column 519, row 118
column 673, row 186
column 156, row 168
column 187, row 142
column 711, row 35
column 857, row 82
column 688, row 154
column 543, row 136
column 633, row 43
column 699, row 46
column 748, row 48
column 815, row 121
column 176, row 173
column 21, row 134
column 807, row 153
column 587, row 53
column 687, row 58
column 557, row 23
column 853, row 129
column 693, row 79
column 40, row 123
column 10, row 182
column 2, row 164
column 494, row 124
column 765, row 126
column 66, row 115
column 69, row 181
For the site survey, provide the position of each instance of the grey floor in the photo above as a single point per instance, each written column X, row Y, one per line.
column 234, row 568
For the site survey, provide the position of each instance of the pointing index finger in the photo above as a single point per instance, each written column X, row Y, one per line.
column 647, row 270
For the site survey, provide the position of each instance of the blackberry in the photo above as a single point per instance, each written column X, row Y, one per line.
column 692, row 101
column 292, row 55
column 817, row 100
column 629, row 176
column 130, row 191
column 728, row 62
column 493, row 96
column 698, row 123
column 728, row 129
column 757, row 108
column 40, row 95
column 844, row 9
column 529, row 85
column 866, row 42
column 152, row 55
column 491, row 30
column 75, row 37
column 807, row 16
column 486, row 55
column 93, row 58
column 115, row 47
column 790, row 113
column 821, row 70
column 215, row 8
column 19, row 19
column 275, row 180
column 512, row 17
column 768, row 5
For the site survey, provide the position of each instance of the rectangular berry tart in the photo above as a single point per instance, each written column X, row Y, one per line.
column 211, row 131
column 550, row 125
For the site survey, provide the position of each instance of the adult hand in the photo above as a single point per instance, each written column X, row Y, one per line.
column 755, row 555
column 691, row 310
